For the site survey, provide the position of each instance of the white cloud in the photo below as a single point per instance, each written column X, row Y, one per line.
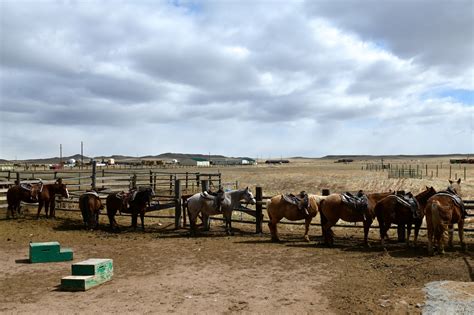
column 190, row 77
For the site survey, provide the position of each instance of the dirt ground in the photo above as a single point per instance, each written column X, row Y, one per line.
column 165, row 271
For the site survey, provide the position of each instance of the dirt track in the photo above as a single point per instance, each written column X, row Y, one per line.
column 163, row 270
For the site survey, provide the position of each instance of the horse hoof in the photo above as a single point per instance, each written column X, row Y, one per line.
column 306, row 238
column 464, row 247
column 275, row 240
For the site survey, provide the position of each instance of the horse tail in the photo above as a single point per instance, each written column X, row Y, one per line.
column 440, row 228
column 84, row 205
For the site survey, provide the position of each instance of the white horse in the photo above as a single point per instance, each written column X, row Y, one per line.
column 199, row 203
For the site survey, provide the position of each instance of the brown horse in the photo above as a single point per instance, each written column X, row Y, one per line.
column 333, row 208
column 45, row 197
column 278, row 208
column 137, row 203
column 90, row 205
column 393, row 210
column 443, row 210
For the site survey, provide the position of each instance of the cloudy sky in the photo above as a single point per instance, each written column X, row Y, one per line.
column 238, row 78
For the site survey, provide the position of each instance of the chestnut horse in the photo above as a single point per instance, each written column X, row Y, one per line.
column 139, row 199
column 391, row 210
column 278, row 208
column 90, row 205
column 442, row 211
column 333, row 208
column 46, row 197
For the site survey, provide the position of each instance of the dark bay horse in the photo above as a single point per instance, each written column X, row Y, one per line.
column 46, row 196
column 134, row 202
column 90, row 205
column 278, row 208
column 199, row 204
column 393, row 209
column 443, row 210
column 333, row 208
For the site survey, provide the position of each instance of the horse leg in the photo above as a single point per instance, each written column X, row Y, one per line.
column 384, row 226
column 192, row 222
column 52, row 208
column 40, row 206
column 461, row 234
column 307, row 222
column 429, row 227
column 408, row 234
column 46, row 208
column 206, row 222
column 142, row 218
column 328, row 233
column 450, row 233
column 367, row 224
column 134, row 219
column 418, row 223
column 228, row 223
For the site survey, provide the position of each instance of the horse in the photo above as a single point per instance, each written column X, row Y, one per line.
column 197, row 204
column 392, row 209
column 90, row 205
column 134, row 202
column 333, row 208
column 278, row 208
column 45, row 196
column 442, row 211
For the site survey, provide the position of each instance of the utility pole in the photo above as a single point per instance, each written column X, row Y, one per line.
column 60, row 153
column 82, row 155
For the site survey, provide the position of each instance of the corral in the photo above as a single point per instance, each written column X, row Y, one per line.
column 163, row 270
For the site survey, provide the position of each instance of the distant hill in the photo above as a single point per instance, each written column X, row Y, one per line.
column 392, row 157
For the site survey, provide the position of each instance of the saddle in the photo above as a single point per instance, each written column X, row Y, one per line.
column 457, row 200
column 217, row 198
column 358, row 203
column 34, row 189
column 92, row 192
column 301, row 201
column 408, row 200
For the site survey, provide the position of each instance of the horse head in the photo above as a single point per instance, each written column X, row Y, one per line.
column 248, row 196
column 61, row 188
column 455, row 186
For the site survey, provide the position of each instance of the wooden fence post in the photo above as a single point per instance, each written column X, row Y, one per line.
column 205, row 187
column 94, row 175
column 449, row 171
column 17, row 182
column 177, row 207
column 258, row 210
column 134, row 181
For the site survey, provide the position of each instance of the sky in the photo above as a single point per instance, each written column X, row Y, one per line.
column 237, row 78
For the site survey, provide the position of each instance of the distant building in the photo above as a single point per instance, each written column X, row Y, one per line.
column 233, row 161
column 276, row 161
column 200, row 162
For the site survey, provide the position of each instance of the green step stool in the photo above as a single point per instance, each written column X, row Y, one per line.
column 49, row 252
column 87, row 274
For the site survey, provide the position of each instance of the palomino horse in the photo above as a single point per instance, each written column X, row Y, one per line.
column 46, row 197
column 137, row 201
column 278, row 208
column 198, row 204
column 90, row 205
column 394, row 209
column 333, row 208
column 442, row 211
